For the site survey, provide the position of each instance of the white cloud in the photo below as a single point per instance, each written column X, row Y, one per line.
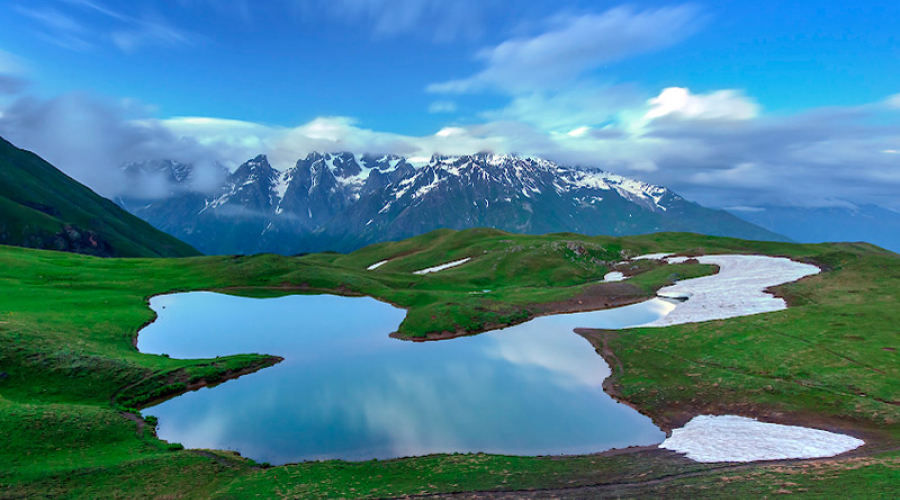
column 579, row 132
column 679, row 103
column 451, row 132
column 58, row 28
column 54, row 19
column 575, row 45
column 231, row 141
column 893, row 101
column 88, row 138
column 83, row 25
column 442, row 107
column 439, row 20
column 96, row 7
column 807, row 159
column 148, row 33
column 436, row 20
column 584, row 104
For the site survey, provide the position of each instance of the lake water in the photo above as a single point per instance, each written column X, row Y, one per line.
column 346, row 390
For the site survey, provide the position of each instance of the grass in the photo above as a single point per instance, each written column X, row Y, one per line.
column 829, row 356
column 69, row 370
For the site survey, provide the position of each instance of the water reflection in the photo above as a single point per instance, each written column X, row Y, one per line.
column 346, row 390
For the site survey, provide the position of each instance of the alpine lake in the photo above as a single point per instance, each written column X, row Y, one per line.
column 346, row 390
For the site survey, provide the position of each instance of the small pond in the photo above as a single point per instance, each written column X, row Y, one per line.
column 346, row 390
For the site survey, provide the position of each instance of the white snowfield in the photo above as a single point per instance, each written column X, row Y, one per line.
column 443, row 266
column 730, row 438
column 736, row 290
column 613, row 276
column 377, row 265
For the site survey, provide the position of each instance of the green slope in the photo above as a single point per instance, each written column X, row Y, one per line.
column 41, row 207
column 68, row 372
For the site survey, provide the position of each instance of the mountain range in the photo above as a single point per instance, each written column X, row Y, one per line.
column 846, row 222
column 41, row 207
column 343, row 201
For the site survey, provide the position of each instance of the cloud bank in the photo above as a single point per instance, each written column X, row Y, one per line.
column 714, row 148
column 90, row 138
column 679, row 103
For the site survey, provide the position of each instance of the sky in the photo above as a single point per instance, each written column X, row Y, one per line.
column 730, row 103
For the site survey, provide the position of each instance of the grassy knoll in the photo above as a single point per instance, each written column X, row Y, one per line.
column 830, row 359
column 69, row 370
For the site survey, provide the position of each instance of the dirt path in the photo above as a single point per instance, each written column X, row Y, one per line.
column 137, row 420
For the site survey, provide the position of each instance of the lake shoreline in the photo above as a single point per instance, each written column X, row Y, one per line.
column 525, row 353
column 670, row 418
column 600, row 297
column 614, row 295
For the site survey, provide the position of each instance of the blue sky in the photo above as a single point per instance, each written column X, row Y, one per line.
column 813, row 84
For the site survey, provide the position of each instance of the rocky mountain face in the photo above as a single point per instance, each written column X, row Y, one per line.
column 343, row 201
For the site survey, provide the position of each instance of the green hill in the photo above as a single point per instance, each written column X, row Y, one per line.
column 41, row 207
column 70, row 376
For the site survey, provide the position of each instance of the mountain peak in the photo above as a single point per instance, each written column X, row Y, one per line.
column 342, row 200
column 260, row 160
column 255, row 167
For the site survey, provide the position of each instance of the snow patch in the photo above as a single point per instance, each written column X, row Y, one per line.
column 737, row 289
column 631, row 189
column 586, row 180
column 279, row 188
column 612, row 277
column 730, row 438
column 422, row 191
column 377, row 265
column 443, row 266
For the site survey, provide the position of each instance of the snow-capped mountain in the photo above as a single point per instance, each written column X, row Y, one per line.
column 343, row 201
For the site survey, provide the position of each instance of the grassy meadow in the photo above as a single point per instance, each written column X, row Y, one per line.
column 71, row 378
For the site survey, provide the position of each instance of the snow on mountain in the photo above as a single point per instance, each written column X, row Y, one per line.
column 343, row 201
